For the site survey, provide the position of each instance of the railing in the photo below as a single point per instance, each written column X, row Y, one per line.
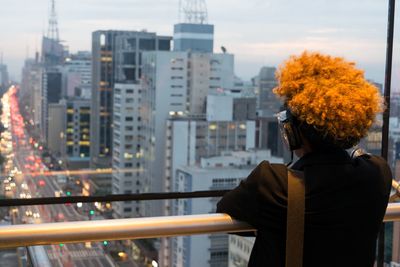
column 118, row 229
column 136, row 228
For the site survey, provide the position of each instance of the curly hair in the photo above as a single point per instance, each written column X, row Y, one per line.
column 331, row 95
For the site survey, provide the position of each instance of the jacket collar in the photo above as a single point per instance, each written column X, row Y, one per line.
column 331, row 156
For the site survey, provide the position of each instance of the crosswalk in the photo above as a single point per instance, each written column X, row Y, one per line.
column 75, row 254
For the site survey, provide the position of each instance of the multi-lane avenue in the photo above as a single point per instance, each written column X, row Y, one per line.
column 23, row 159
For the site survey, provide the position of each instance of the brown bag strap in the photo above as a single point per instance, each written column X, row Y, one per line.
column 295, row 219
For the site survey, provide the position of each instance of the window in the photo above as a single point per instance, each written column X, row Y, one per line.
column 164, row 45
column 129, row 58
column 147, row 44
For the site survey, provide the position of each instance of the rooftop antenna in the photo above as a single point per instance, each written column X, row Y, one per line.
column 52, row 31
column 193, row 11
column 180, row 11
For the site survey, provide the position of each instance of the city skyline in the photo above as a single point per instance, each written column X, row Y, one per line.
column 341, row 28
column 146, row 102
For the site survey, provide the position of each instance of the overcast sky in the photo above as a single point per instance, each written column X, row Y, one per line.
column 257, row 32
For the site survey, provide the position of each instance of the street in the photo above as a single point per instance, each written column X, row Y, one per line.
column 25, row 159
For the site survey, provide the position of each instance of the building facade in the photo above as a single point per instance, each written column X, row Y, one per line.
column 175, row 83
column 4, row 79
column 215, row 173
column 194, row 37
column 77, row 75
column 268, row 103
column 69, row 132
column 116, row 56
column 239, row 250
column 127, row 176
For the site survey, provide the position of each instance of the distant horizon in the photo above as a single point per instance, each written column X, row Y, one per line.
column 290, row 28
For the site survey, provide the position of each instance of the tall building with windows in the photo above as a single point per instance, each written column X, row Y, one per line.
column 31, row 93
column 77, row 134
column 268, row 103
column 116, row 57
column 239, row 250
column 69, row 132
column 51, row 93
column 127, row 150
column 53, row 52
column 172, row 83
column 189, row 139
column 77, row 75
column 4, row 80
column 36, row 87
column 194, row 37
column 175, row 83
column 193, row 33
column 57, row 128
column 213, row 173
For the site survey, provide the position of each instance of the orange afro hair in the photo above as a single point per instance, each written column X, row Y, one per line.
column 329, row 94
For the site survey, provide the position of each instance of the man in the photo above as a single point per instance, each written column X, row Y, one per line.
column 329, row 107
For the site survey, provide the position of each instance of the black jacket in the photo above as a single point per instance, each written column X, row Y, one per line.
column 346, row 201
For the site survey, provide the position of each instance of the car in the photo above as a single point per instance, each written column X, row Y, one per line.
column 29, row 213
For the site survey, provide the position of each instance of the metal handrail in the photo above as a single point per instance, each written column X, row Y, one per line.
column 117, row 229
column 135, row 228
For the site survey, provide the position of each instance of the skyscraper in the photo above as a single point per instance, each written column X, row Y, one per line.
column 268, row 103
column 116, row 57
column 175, row 83
column 3, row 77
column 127, row 151
column 193, row 33
column 77, row 75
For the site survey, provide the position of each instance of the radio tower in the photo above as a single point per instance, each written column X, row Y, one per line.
column 52, row 32
column 194, row 11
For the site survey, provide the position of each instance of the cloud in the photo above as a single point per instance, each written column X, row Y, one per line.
column 325, row 30
column 250, row 57
column 257, row 31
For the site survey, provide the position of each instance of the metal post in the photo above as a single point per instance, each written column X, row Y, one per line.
column 386, row 114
